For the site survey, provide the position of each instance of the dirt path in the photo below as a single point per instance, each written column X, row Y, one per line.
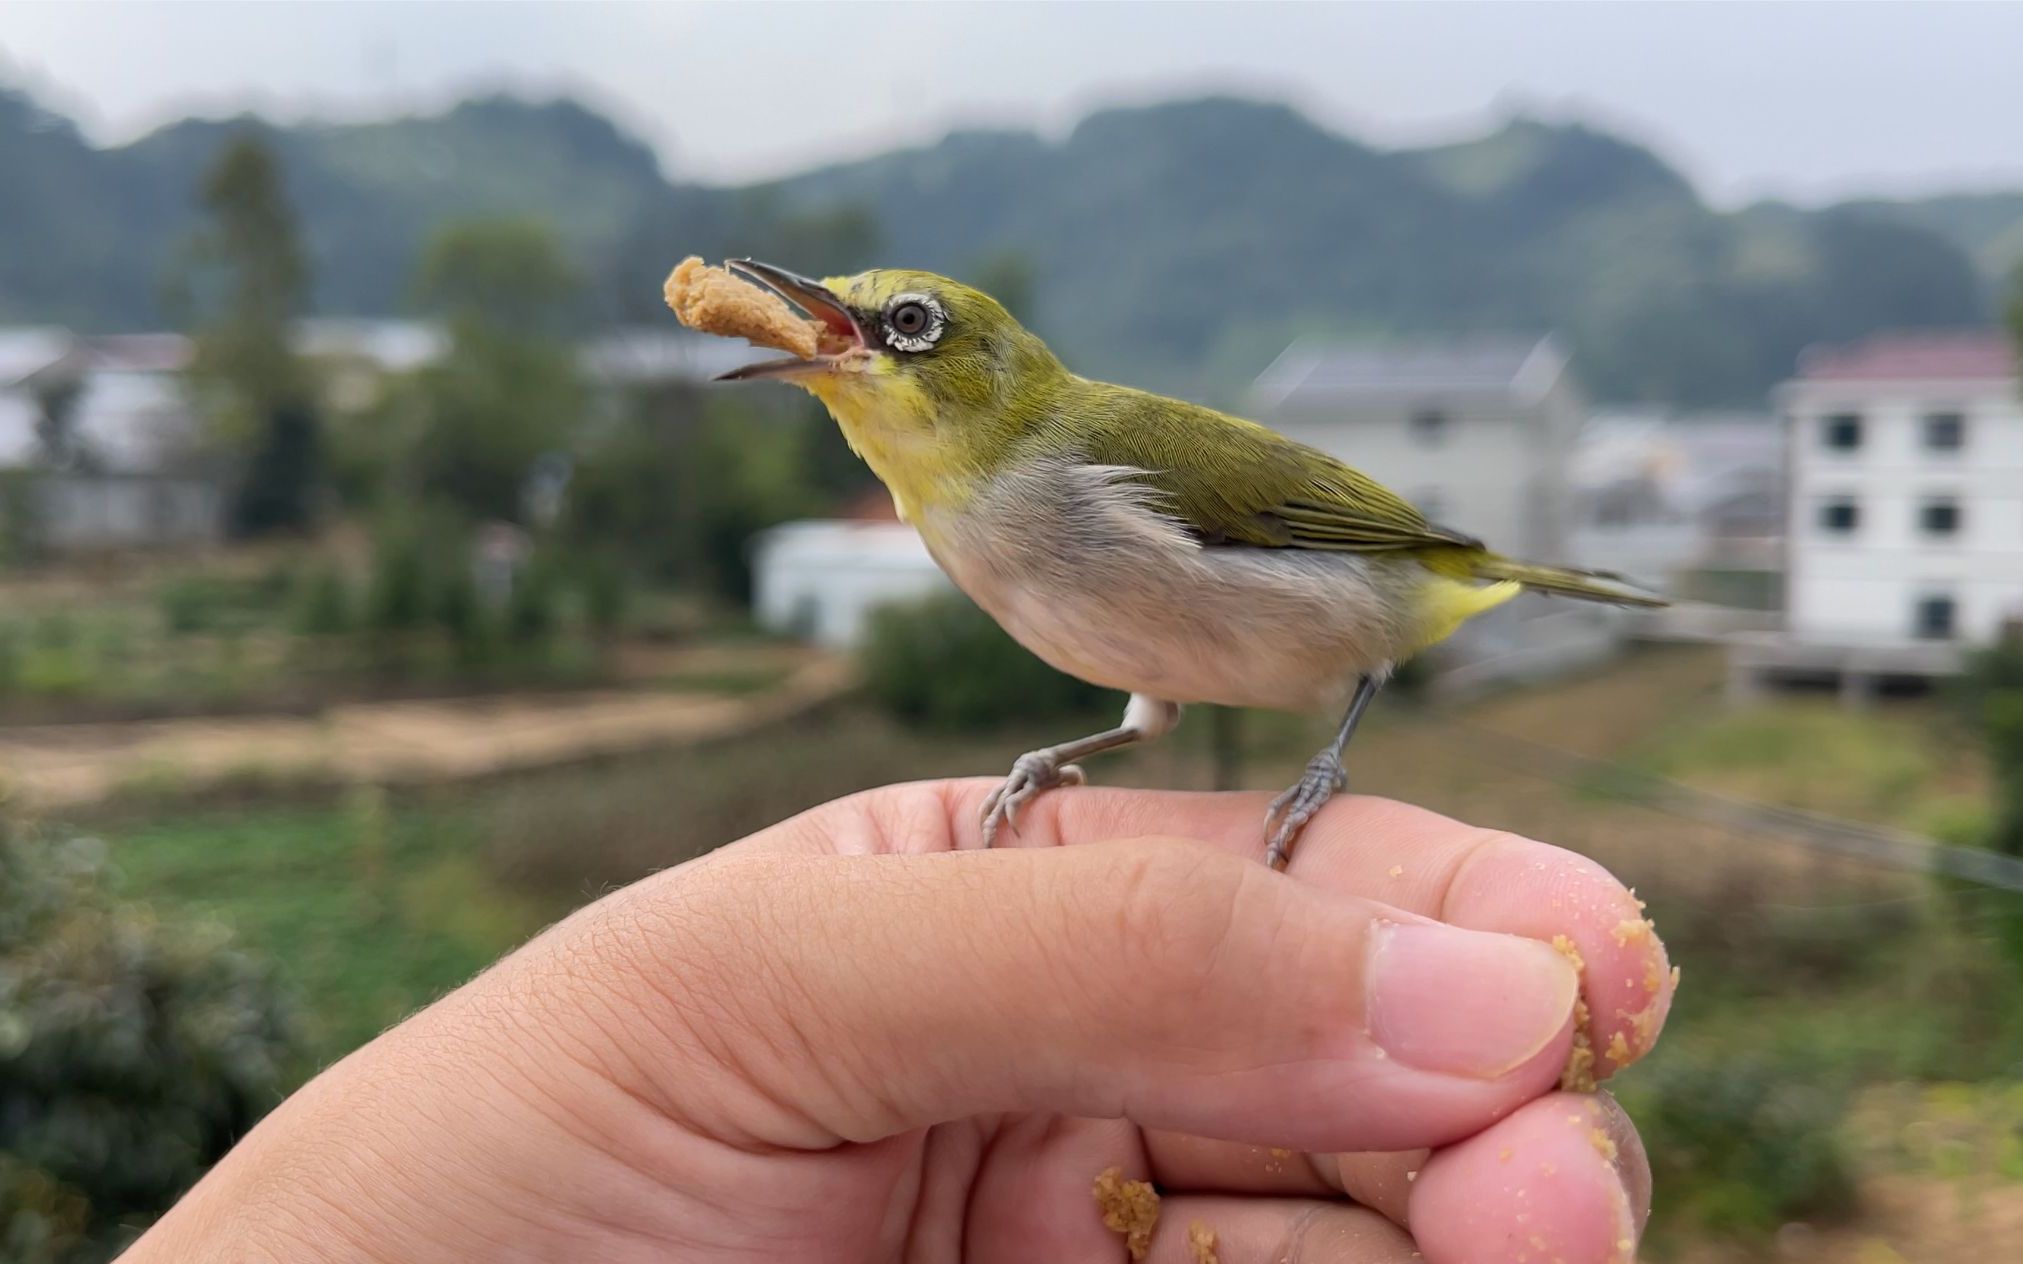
column 59, row 766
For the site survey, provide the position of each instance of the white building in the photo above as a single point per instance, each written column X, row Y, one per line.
column 1906, row 509
column 821, row 580
column 133, row 476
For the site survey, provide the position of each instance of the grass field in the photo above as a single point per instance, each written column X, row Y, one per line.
column 368, row 913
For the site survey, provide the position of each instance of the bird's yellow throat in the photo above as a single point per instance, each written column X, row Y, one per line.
column 889, row 422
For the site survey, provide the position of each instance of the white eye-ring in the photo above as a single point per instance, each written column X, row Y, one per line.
column 913, row 322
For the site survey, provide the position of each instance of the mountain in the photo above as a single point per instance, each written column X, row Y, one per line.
column 1177, row 246
column 1988, row 226
column 1184, row 244
column 105, row 225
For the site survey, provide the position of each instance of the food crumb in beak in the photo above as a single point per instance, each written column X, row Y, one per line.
column 713, row 301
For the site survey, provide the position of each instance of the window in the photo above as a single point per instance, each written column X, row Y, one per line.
column 1935, row 618
column 1842, row 432
column 1839, row 516
column 1945, row 432
column 1939, row 515
column 1429, row 427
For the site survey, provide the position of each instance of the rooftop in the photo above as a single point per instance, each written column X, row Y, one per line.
column 26, row 351
column 1966, row 355
column 1312, row 372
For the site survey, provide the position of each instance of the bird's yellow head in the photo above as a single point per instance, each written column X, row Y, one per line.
column 932, row 381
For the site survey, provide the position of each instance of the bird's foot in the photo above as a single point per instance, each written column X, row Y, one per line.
column 1290, row 811
column 1031, row 773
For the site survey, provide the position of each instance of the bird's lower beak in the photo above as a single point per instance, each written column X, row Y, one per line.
column 841, row 332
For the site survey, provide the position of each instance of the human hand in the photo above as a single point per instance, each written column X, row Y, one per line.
column 836, row 1041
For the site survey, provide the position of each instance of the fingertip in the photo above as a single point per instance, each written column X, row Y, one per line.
column 1519, row 886
column 1560, row 1180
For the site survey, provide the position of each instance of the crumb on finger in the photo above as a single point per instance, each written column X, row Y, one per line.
column 1130, row 1208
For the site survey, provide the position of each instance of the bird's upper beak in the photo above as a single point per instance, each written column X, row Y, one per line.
column 842, row 333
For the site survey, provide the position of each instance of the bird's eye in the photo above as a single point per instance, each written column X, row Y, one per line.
column 913, row 322
column 910, row 318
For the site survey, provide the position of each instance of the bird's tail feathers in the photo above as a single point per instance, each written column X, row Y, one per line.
column 1561, row 581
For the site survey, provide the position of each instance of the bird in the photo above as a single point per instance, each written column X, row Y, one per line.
column 1149, row 545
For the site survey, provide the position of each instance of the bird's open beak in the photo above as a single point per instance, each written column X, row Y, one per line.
column 841, row 332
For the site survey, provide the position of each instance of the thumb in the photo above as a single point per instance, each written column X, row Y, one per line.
column 826, row 998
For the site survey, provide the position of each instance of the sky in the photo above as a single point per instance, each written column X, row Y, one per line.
column 1808, row 102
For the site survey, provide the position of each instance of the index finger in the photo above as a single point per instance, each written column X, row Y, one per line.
column 1372, row 848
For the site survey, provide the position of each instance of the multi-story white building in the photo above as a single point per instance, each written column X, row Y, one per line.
column 1905, row 536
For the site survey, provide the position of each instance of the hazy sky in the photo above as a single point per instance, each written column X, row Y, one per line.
column 1799, row 100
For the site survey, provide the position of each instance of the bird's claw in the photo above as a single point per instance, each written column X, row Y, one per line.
column 1291, row 810
column 1031, row 773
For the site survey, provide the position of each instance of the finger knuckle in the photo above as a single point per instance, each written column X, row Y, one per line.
column 1172, row 911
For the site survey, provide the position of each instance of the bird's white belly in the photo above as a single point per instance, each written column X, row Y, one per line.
column 1085, row 572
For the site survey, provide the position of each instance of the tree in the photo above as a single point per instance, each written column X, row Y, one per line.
column 508, row 392
column 249, row 284
column 502, row 276
column 680, row 485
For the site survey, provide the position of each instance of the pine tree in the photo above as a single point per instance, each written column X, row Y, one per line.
column 250, row 284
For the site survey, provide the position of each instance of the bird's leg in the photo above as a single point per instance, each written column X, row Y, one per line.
column 1144, row 719
column 1323, row 779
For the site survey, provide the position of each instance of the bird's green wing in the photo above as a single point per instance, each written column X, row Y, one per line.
column 1236, row 482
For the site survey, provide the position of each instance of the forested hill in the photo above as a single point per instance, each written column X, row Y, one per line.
column 1177, row 245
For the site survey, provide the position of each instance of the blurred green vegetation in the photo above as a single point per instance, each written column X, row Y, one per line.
column 243, row 281
column 134, row 1051
column 1992, row 691
column 1887, row 766
column 368, row 910
column 943, row 662
column 1741, row 1145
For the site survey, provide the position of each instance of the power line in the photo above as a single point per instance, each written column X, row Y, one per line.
column 1895, row 849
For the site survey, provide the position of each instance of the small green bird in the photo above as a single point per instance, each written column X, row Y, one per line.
column 1137, row 542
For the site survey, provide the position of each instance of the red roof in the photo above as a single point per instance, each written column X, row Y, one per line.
column 1961, row 355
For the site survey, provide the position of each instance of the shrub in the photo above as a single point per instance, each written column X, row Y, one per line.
column 322, row 601
column 10, row 657
column 58, row 670
column 605, row 594
column 533, row 611
column 397, row 598
column 132, row 1053
column 944, row 662
column 1741, row 1146
column 461, row 612
column 1992, row 689
column 198, row 602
